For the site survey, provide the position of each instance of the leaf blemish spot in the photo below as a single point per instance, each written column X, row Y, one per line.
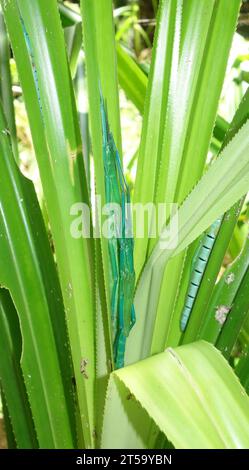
column 130, row 396
column 230, row 278
column 221, row 314
column 83, row 366
column 5, row 131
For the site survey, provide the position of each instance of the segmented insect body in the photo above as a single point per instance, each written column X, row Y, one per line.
column 120, row 245
column 198, row 267
column 32, row 60
column 126, row 312
column 112, row 196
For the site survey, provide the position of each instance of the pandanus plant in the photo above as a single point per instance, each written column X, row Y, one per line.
column 122, row 342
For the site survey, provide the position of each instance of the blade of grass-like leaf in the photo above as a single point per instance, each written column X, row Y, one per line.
column 199, row 311
column 53, row 121
column 237, row 241
column 222, row 240
column 171, row 334
column 71, row 18
column 103, row 344
column 200, row 32
column 242, row 370
column 102, row 34
column 11, row 443
column 134, row 82
column 188, row 411
column 11, row 377
column 68, row 15
column 174, row 125
column 223, row 184
column 6, row 85
column 162, row 73
column 81, row 98
column 96, row 78
column 230, row 172
column 167, row 317
column 223, row 237
column 235, row 318
column 106, row 49
column 220, row 128
column 223, row 296
column 131, row 78
column 27, row 270
column 196, row 20
column 73, row 38
column 201, row 111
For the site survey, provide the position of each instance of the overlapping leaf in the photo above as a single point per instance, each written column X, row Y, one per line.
column 190, row 392
column 48, row 93
column 27, row 270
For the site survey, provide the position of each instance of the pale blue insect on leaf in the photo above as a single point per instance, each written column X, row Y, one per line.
column 200, row 260
column 120, row 246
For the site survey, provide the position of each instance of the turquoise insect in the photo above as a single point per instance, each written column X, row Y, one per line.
column 200, row 260
column 120, row 244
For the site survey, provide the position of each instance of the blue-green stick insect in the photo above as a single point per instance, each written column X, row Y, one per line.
column 120, row 245
column 199, row 263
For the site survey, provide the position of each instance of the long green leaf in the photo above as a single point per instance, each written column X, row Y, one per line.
column 222, row 185
column 236, row 317
column 212, row 269
column 11, row 443
column 199, row 28
column 98, row 79
column 242, row 369
column 100, row 42
column 73, row 38
column 179, row 101
column 55, row 131
column 222, row 240
column 81, row 97
column 131, row 78
column 223, row 296
column 11, row 378
column 69, row 16
column 162, row 73
column 200, row 111
column 175, row 389
column 204, row 294
column 6, row 85
column 189, row 129
column 28, row 271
